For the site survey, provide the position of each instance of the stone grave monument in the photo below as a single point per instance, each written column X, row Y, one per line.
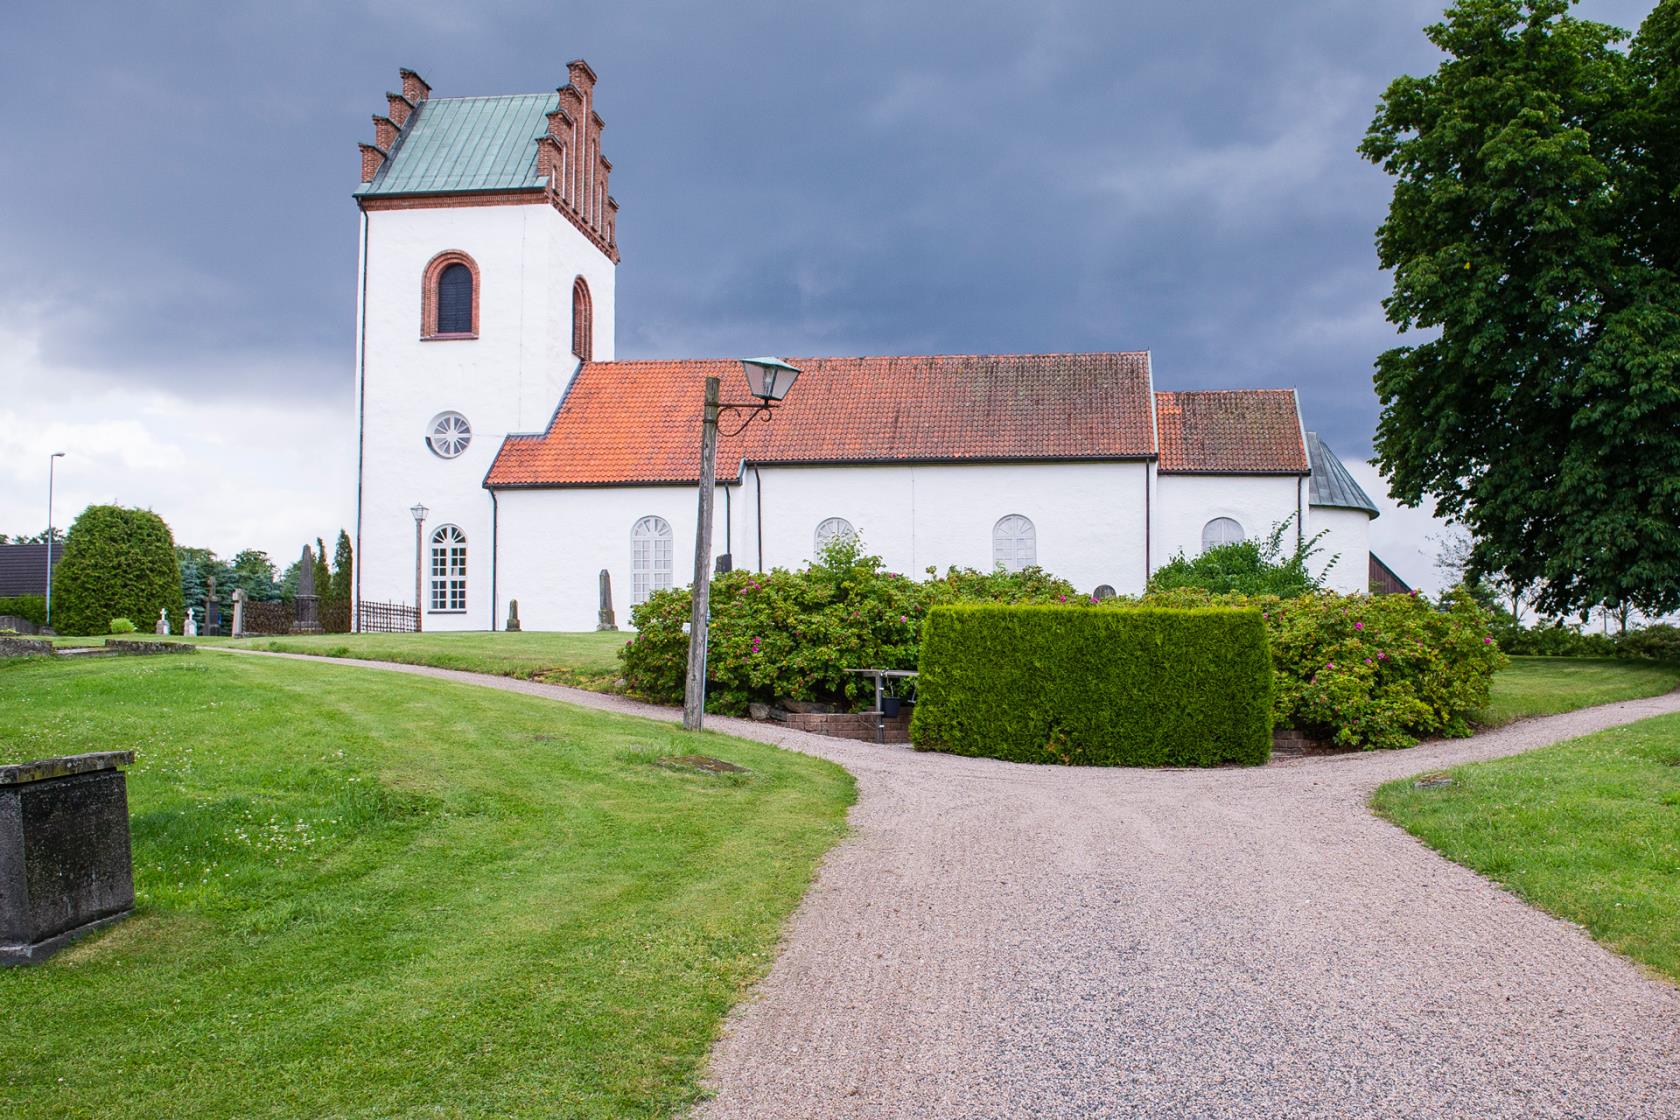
column 513, row 617
column 307, row 619
column 605, row 620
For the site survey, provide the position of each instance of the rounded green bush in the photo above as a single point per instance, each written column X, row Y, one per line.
column 122, row 626
column 118, row 563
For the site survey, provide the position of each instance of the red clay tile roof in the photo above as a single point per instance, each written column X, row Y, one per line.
column 640, row 421
column 1238, row 431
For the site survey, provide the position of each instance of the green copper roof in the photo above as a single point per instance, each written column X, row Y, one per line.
column 1331, row 484
column 467, row 144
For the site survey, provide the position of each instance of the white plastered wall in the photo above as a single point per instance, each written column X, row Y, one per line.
column 1185, row 503
column 508, row 379
column 1088, row 518
column 1347, row 539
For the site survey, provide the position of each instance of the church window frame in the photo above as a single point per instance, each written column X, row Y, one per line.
column 449, row 435
column 1014, row 543
column 447, row 570
column 583, row 321
column 828, row 530
column 431, row 297
column 1222, row 531
column 652, row 558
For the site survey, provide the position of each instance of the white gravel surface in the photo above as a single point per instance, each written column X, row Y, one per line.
column 997, row 940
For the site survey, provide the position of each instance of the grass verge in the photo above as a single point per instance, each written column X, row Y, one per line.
column 1546, row 686
column 1587, row 830
column 583, row 660
column 363, row 895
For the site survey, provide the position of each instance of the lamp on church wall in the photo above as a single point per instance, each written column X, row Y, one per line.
column 768, row 380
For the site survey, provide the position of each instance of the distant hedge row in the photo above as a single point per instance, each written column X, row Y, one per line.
column 1136, row 687
column 31, row 607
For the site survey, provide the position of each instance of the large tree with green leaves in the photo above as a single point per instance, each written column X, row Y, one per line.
column 1535, row 231
column 118, row 563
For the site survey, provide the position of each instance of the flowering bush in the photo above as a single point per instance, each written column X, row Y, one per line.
column 1372, row 671
column 793, row 635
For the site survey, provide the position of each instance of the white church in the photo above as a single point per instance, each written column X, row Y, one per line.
column 503, row 454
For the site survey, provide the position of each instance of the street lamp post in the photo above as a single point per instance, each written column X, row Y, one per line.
column 419, row 512
column 52, row 462
column 768, row 380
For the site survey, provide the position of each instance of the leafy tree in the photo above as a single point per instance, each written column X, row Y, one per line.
column 343, row 569
column 117, row 563
column 1534, row 228
column 1247, row 568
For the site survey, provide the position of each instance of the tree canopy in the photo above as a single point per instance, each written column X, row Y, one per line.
column 118, row 563
column 1533, row 231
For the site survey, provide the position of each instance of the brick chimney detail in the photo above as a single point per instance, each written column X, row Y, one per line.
column 414, row 87
column 398, row 108
column 373, row 158
column 384, row 131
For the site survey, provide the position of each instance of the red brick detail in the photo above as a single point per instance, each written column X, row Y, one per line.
column 428, row 293
column 953, row 408
column 384, row 131
column 373, row 158
column 414, row 87
column 583, row 321
column 1238, row 431
column 398, row 108
column 850, row 725
column 442, row 201
column 577, row 127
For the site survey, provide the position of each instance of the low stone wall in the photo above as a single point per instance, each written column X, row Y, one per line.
column 129, row 646
column 848, row 725
column 23, row 647
column 1290, row 743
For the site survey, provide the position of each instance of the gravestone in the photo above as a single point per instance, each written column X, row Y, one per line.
column 189, row 628
column 239, row 612
column 212, row 606
column 605, row 620
column 513, row 616
column 307, row 616
column 162, row 626
column 65, row 863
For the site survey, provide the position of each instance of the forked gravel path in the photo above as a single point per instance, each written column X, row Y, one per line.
column 995, row 940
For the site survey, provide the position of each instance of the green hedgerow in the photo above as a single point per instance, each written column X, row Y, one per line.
column 117, row 562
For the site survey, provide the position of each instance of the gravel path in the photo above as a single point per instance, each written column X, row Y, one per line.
column 995, row 940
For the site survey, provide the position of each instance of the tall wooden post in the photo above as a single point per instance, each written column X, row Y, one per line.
column 694, row 693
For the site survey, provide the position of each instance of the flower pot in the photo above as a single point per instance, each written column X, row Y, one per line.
column 889, row 706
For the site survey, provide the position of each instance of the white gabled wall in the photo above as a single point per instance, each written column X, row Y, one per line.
column 508, row 379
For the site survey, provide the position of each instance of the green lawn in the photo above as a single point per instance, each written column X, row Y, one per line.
column 587, row 660
column 369, row 896
column 1588, row 830
column 1544, row 686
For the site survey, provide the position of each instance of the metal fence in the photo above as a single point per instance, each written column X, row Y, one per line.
column 382, row 618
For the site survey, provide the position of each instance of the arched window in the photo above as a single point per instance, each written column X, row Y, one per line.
column 449, row 569
column 650, row 558
column 831, row 530
column 1103, row 592
column 583, row 321
column 1014, row 543
column 448, row 435
column 1221, row 530
column 449, row 297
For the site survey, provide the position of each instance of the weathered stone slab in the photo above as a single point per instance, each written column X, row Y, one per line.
column 65, row 862
column 23, row 647
column 130, row 646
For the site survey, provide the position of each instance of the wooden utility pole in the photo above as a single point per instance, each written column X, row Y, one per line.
column 694, row 692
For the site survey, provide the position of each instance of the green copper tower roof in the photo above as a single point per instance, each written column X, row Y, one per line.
column 1331, row 483
column 457, row 144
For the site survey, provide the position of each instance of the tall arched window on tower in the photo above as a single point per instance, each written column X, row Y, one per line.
column 1014, row 543
column 449, row 297
column 583, row 321
column 650, row 558
column 1221, row 530
column 449, row 570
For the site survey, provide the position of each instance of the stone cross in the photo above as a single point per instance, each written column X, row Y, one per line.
column 513, row 616
column 239, row 612
column 162, row 626
column 605, row 620
column 189, row 628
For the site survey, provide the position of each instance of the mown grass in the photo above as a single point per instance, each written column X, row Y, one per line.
column 1587, row 830
column 363, row 895
column 1544, row 686
column 583, row 660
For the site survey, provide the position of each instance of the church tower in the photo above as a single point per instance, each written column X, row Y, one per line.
column 485, row 278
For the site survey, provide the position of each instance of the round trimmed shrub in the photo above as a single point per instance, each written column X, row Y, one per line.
column 118, row 563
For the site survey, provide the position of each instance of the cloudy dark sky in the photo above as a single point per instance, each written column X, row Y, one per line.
column 177, row 304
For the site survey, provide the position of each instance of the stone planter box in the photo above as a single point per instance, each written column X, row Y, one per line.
column 65, row 865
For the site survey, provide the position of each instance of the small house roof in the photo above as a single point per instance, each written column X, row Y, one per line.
column 1235, row 431
column 1332, row 485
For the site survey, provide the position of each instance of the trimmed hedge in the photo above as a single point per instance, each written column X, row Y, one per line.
column 1137, row 687
column 118, row 563
column 31, row 607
